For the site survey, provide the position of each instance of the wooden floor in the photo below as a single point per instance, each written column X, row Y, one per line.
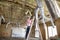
column 3, row 38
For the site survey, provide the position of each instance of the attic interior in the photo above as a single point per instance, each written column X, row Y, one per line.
column 45, row 23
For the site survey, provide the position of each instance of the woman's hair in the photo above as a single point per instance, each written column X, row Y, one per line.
column 30, row 17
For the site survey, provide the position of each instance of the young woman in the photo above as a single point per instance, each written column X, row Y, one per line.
column 28, row 23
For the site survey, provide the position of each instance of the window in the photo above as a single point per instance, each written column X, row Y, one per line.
column 52, row 31
column 18, row 32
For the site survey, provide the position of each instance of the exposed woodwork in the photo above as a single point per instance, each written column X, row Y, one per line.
column 50, row 8
column 29, row 6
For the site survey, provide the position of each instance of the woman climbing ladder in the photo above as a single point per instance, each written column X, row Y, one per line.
column 28, row 23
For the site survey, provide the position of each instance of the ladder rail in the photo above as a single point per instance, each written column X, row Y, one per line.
column 40, row 35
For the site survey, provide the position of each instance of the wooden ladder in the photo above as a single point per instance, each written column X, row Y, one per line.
column 30, row 28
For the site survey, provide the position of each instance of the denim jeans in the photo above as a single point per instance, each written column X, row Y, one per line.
column 27, row 31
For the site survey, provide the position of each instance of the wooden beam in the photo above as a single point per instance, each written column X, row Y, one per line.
column 50, row 9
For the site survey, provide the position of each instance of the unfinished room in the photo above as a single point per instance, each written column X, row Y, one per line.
column 29, row 19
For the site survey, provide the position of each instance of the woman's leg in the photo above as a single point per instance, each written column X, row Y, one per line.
column 27, row 31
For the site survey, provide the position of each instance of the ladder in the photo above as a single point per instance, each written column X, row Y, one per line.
column 30, row 28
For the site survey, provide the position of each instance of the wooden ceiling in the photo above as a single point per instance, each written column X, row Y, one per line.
column 58, row 0
column 29, row 3
column 32, row 4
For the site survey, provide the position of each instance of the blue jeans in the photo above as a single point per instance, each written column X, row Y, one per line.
column 27, row 31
